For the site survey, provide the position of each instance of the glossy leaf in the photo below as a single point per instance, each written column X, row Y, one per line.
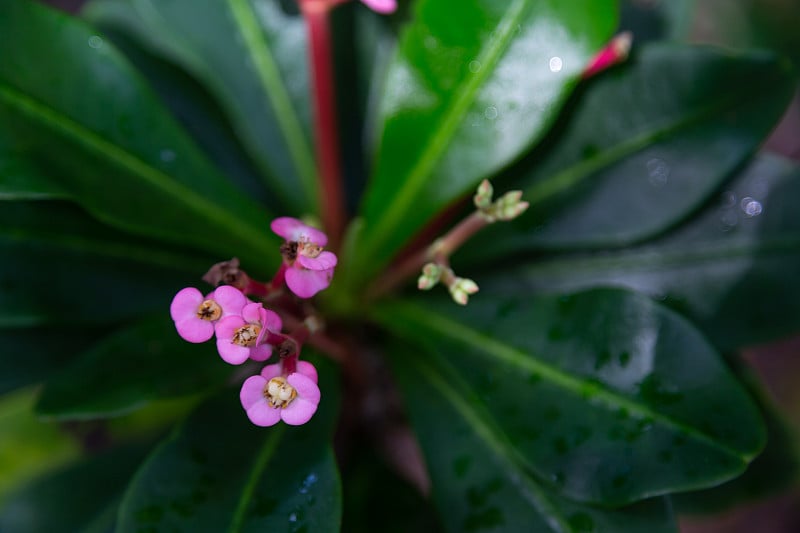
column 252, row 56
column 652, row 21
column 775, row 470
column 28, row 446
column 731, row 270
column 479, row 481
column 136, row 170
column 604, row 395
column 454, row 94
column 19, row 180
column 130, row 368
column 80, row 497
column 102, row 276
column 30, row 357
column 644, row 147
column 219, row 472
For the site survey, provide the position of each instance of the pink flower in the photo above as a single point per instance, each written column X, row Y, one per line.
column 383, row 7
column 244, row 337
column 273, row 396
column 309, row 267
column 195, row 315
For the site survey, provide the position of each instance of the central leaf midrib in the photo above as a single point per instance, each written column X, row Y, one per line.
column 542, row 191
column 265, row 453
column 503, row 450
column 271, row 83
column 57, row 121
column 447, row 126
column 489, row 346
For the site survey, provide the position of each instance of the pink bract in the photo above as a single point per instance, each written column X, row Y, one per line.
column 255, row 314
column 324, row 261
column 306, row 283
column 298, row 412
column 294, row 230
column 186, row 302
column 384, row 7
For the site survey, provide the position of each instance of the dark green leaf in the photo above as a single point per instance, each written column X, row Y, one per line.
column 732, row 270
column 776, row 469
column 652, row 21
column 62, row 267
column 82, row 497
column 454, row 94
column 19, row 180
column 31, row 357
column 645, row 146
column 132, row 367
column 252, row 56
column 219, row 472
column 480, row 483
column 605, row 395
column 117, row 150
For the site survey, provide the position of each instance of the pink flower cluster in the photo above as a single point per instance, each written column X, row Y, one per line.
column 246, row 330
column 307, row 266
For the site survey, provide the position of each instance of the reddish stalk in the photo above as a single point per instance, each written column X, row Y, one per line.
column 316, row 14
column 439, row 251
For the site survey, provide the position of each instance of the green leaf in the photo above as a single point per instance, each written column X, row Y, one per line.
column 30, row 357
column 81, row 497
column 130, row 368
column 604, row 395
column 28, row 447
column 117, row 150
column 775, row 470
column 643, row 149
column 62, row 267
column 252, row 56
column 650, row 21
column 455, row 91
column 732, row 270
column 19, row 180
column 219, row 472
column 479, row 480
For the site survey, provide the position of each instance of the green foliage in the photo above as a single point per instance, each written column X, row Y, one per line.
column 580, row 390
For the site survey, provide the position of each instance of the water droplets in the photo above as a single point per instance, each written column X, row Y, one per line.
column 474, row 66
column 490, row 113
column 308, row 482
column 95, row 41
column 167, row 155
column 556, row 64
column 657, row 172
column 751, row 207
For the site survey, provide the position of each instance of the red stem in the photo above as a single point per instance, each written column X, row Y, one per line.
column 327, row 135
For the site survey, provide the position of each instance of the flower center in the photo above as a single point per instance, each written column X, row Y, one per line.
column 278, row 393
column 309, row 249
column 246, row 335
column 209, row 310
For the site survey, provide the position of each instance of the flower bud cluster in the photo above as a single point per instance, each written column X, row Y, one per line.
column 507, row 207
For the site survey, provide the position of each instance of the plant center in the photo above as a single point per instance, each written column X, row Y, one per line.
column 246, row 335
column 209, row 310
column 278, row 393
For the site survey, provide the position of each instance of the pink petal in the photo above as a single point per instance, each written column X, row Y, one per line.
column 232, row 353
column 306, row 283
column 252, row 391
column 262, row 352
column 261, row 414
column 251, row 313
column 271, row 321
column 292, row 229
column 230, row 299
column 298, row 412
column 384, row 7
column 185, row 304
column 306, row 388
column 194, row 329
column 271, row 371
column 308, row 370
column 227, row 326
column 324, row 261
